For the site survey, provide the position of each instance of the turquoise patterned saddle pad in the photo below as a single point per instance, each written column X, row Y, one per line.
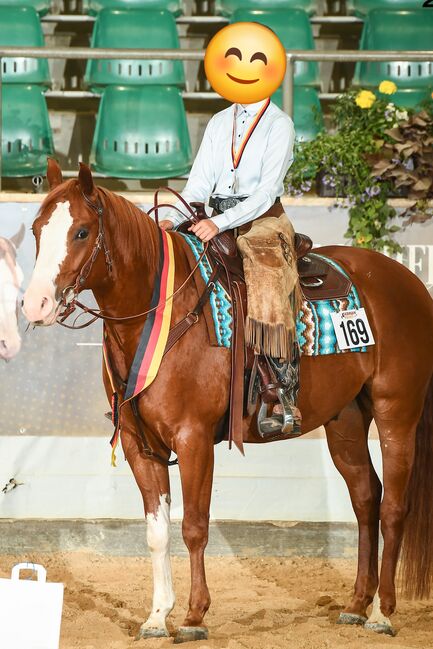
column 314, row 328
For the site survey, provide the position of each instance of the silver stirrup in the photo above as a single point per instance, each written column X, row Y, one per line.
column 281, row 424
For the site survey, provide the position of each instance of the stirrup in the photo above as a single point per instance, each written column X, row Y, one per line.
column 288, row 423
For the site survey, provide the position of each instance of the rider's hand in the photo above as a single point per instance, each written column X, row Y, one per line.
column 204, row 230
column 166, row 225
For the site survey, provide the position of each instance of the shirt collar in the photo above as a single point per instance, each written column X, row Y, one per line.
column 251, row 109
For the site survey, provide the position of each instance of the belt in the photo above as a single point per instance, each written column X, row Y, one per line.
column 221, row 204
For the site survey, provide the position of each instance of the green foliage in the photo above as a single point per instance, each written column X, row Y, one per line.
column 364, row 161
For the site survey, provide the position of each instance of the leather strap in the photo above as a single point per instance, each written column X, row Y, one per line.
column 237, row 374
column 181, row 327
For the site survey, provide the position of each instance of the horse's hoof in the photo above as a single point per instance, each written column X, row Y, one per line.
column 351, row 618
column 379, row 627
column 190, row 633
column 151, row 632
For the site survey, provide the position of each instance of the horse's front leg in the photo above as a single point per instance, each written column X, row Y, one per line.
column 153, row 481
column 195, row 452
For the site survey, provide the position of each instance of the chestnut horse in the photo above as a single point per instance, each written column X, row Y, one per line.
column 181, row 410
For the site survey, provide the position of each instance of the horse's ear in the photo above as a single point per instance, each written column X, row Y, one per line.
column 54, row 173
column 85, row 179
column 17, row 239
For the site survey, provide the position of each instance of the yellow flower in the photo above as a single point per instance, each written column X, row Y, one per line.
column 365, row 99
column 360, row 240
column 387, row 87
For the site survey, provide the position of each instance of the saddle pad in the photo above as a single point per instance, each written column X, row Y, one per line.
column 314, row 328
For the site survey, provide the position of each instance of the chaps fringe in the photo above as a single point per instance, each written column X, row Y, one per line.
column 272, row 340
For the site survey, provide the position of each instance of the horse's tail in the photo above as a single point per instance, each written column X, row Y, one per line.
column 417, row 550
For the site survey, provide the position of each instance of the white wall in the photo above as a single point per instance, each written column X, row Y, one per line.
column 72, row 478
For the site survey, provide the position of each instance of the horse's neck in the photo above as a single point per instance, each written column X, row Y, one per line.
column 130, row 291
column 133, row 242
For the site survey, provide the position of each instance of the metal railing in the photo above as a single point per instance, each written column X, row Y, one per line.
column 77, row 53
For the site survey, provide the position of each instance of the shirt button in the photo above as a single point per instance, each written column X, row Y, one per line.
column 231, row 169
column 230, row 186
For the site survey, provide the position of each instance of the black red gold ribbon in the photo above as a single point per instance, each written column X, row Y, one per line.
column 236, row 157
column 153, row 339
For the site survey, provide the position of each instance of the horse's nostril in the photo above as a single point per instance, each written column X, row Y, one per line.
column 3, row 344
column 44, row 301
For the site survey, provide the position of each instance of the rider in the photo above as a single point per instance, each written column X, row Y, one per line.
column 239, row 170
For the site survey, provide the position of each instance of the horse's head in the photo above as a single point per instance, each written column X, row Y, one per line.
column 11, row 278
column 65, row 230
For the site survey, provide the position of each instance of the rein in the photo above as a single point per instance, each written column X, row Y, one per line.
column 100, row 244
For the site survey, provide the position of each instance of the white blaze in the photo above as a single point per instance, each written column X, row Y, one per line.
column 158, row 539
column 52, row 248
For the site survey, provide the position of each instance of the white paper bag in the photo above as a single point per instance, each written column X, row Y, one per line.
column 30, row 611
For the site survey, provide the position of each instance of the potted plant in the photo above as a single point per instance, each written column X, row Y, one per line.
column 374, row 152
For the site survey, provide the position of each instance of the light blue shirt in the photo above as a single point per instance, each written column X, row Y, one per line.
column 260, row 173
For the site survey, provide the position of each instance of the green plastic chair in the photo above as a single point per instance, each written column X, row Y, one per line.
column 308, row 116
column 20, row 26
column 293, row 28
column 135, row 28
column 141, row 132
column 228, row 7
column 26, row 139
column 41, row 6
column 95, row 6
column 362, row 7
column 385, row 29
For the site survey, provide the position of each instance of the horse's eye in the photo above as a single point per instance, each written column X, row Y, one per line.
column 82, row 234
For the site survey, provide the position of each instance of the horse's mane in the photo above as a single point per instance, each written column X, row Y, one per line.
column 129, row 228
column 134, row 232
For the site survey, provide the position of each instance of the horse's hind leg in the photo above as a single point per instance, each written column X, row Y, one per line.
column 195, row 453
column 397, row 430
column 347, row 440
column 153, row 481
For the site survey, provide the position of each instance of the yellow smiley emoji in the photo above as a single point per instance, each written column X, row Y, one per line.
column 245, row 62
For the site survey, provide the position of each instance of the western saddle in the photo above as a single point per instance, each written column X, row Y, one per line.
column 318, row 279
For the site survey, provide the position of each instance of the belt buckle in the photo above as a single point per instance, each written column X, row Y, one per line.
column 227, row 203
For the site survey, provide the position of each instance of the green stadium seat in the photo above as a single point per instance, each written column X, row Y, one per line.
column 175, row 6
column 27, row 139
column 20, row 26
column 228, row 7
column 385, row 29
column 293, row 28
column 134, row 28
column 308, row 116
column 41, row 6
column 362, row 7
column 141, row 132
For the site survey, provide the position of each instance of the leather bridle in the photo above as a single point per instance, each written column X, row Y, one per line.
column 70, row 305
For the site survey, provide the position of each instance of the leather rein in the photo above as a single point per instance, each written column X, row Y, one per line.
column 70, row 305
